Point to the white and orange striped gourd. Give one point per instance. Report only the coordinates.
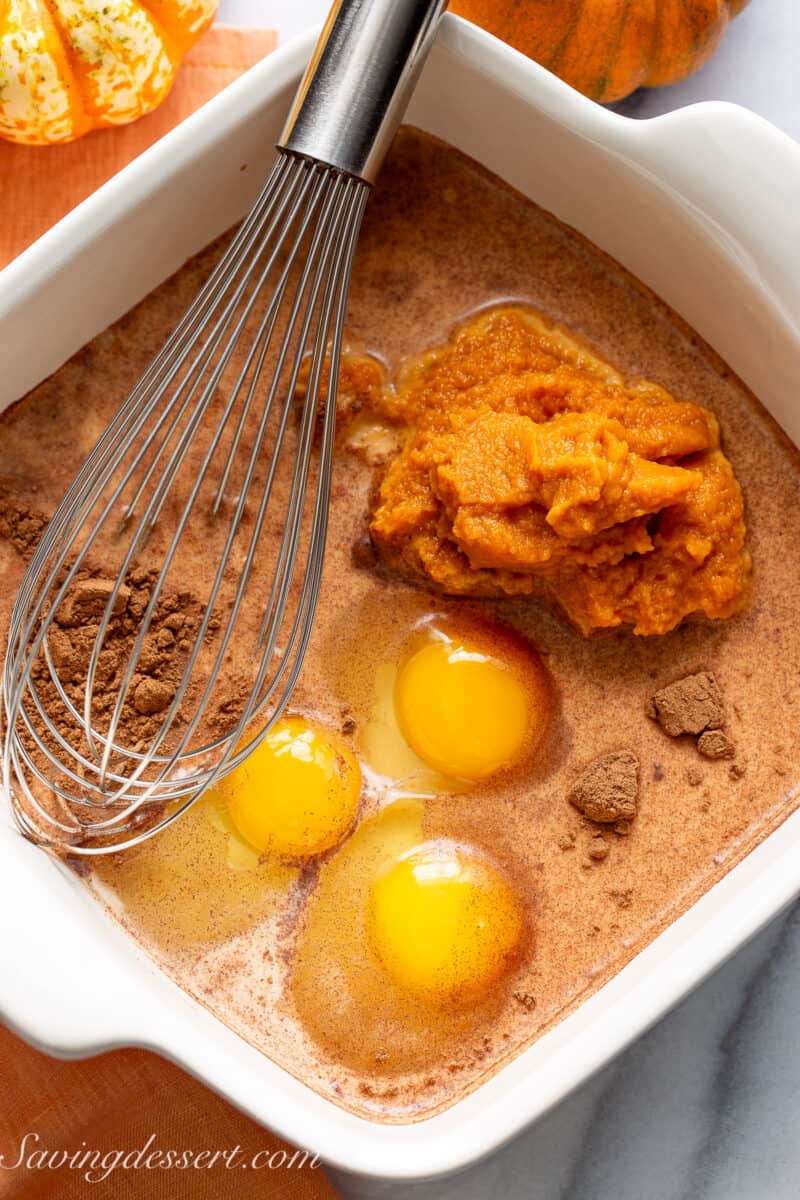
(68, 66)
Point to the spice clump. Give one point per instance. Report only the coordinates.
(714, 743)
(689, 705)
(694, 706)
(608, 789)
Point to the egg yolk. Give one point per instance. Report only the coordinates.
(464, 712)
(444, 922)
(297, 794)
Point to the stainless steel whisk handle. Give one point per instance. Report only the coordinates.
(359, 82)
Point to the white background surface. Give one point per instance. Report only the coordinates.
(758, 64)
(706, 1106)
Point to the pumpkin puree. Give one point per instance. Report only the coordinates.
(529, 466)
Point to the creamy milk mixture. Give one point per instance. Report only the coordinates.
(277, 951)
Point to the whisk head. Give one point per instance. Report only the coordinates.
(170, 601)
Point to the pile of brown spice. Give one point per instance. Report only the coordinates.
(694, 705)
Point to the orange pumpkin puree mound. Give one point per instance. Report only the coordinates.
(530, 466)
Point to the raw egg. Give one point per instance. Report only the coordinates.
(298, 793)
(471, 704)
(444, 922)
(196, 884)
(405, 946)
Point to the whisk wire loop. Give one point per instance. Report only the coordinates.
(270, 314)
(115, 719)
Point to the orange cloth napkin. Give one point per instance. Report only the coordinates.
(116, 1102)
(39, 184)
(112, 1106)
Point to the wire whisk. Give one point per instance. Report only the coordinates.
(194, 533)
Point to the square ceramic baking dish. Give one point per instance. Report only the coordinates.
(704, 206)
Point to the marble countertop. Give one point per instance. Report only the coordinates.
(707, 1105)
(704, 1107)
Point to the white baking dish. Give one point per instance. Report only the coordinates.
(704, 206)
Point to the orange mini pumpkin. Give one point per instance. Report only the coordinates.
(608, 48)
(68, 66)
